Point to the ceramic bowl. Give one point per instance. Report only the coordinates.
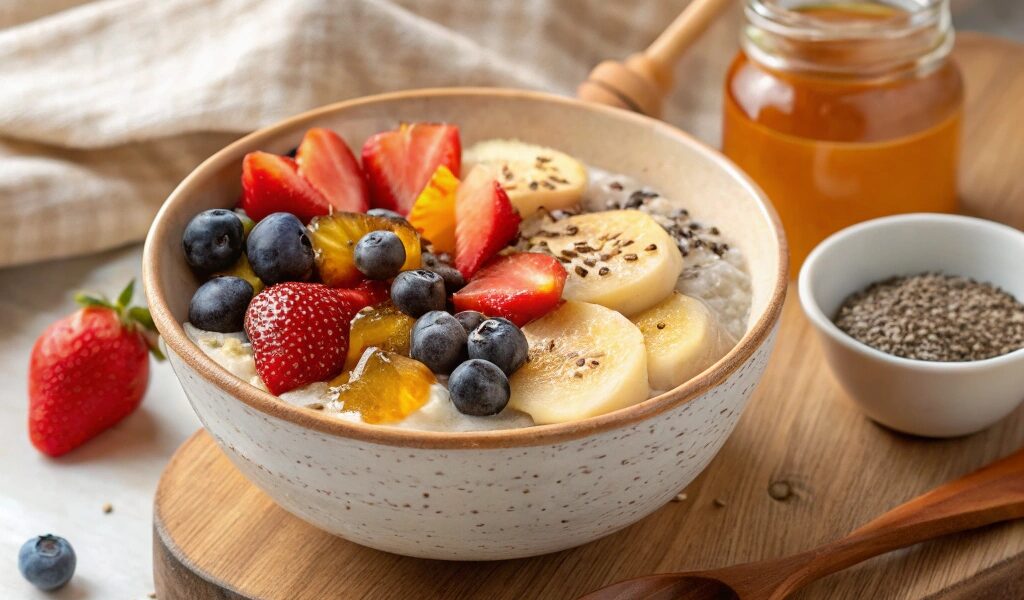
(925, 398)
(491, 495)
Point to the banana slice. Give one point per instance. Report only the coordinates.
(621, 259)
(585, 360)
(533, 176)
(683, 337)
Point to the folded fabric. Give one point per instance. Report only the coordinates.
(105, 106)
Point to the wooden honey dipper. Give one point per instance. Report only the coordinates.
(641, 82)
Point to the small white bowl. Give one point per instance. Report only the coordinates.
(934, 399)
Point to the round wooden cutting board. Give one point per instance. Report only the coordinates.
(803, 466)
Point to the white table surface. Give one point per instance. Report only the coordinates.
(65, 496)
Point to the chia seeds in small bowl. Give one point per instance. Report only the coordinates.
(921, 321)
(935, 317)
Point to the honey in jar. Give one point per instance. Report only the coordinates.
(845, 111)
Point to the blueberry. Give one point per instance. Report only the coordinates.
(47, 561)
(470, 319)
(500, 342)
(219, 304)
(387, 214)
(438, 341)
(478, 388)
(380, 255)
(418, 292)
(213, 240)
(453, 279)
(279, 249)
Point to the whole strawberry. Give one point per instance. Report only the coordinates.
(87, 372)
(299, 332)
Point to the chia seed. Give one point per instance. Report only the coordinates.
(686, 233)
(934, 317)
(635, 200)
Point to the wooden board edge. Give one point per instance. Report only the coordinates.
(176, 580)
(174, 575)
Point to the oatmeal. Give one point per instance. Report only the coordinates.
(713, 270)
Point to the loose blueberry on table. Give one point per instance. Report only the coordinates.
(47, 562)
(378, 275)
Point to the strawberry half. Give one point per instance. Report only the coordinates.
(326, 162)
(88, 371)
(399, 164)
(485, 221)
(520, 287)
(271, 183)
(299, 333)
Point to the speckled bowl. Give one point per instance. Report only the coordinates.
(490, 495)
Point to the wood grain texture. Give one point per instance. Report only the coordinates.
(992, 494)
(216, 536)
(991, 185)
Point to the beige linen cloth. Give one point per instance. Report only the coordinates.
(106, 105)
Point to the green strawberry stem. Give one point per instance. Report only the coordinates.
(135, 318)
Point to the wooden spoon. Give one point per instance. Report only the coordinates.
(641, 82)
(992, 494)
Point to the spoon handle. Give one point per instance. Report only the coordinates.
(989, 495)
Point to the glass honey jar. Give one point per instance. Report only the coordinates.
(845, 111)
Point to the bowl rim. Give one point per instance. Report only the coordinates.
(810, 270)
(177, 341)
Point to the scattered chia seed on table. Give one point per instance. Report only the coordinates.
(934, 317)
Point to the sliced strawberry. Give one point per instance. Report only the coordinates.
(369, 292)
(520, 287)
(271, 183)
(399, 164)
(326, 162)
(299, 333)
(485, 221)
